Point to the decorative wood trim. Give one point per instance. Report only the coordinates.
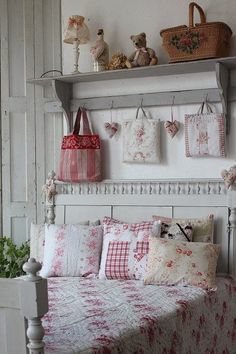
(142, 187)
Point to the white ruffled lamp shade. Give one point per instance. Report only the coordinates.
(76, 33)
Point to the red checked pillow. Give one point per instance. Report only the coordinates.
(125, 249)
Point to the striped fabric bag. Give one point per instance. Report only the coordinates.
(80, 154)
(204, 133)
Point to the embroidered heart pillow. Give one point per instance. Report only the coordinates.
(111, 128)
(171, 127)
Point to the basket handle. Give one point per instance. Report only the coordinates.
(191, 13)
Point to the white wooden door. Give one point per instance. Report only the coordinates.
(18, 127)
(27, 50)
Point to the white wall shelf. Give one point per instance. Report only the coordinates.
(63, 87)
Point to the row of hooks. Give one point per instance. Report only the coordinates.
(83, 106)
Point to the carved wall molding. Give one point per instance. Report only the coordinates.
(145, 187)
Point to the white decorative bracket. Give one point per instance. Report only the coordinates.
(63, 92)
(34, 305)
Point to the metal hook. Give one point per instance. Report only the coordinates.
(173, 101)
(141, 102)
(84, 106)
(112, 105)
(206, 98)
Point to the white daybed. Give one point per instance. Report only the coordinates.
(140, 319)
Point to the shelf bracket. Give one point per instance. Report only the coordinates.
(222, 78)
(63, 92)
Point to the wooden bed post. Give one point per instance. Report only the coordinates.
(49, 189)
(34, 305)
(232, 229)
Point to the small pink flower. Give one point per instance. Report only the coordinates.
(140, 133)
(92, 245)
(91, 260)
(178, 250)
(189, 253)
(59, 251)
(203, 138)
(94, 233)
(169, 264)
(185, 41)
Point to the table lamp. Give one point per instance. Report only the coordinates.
(76, 33)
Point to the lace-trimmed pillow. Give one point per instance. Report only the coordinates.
(203, 228)
(173, 262)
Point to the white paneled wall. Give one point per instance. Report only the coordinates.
(120, 19)
(31, 45)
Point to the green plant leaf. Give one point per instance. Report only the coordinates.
(12, 257)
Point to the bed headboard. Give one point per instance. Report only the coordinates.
(138, 200)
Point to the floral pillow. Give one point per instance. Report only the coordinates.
(71, 250)
(137, 227)
(125, 249)
(173, 262)
(203, 228)
(37, 238)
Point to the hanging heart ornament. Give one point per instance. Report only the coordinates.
(171, 127)
(111, 128)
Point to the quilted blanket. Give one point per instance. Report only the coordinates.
(91, 316)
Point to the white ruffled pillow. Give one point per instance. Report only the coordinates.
(71, 250)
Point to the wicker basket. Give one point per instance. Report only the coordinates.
(198, 41)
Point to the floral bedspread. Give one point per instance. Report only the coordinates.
(92, 316)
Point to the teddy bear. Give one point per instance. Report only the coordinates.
(142, 56)
(229, 176)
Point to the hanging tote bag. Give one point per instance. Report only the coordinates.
(80, 154)
(141, 139)
(204, 133)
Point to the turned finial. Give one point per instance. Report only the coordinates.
(51, 175)
(49, 188)
(31, 268)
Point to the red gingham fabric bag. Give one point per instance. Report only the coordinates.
(80, 154)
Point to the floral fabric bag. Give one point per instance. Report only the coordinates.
(204, 133)
(141, 139)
